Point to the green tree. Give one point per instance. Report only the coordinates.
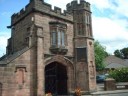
(122, 53)
(100, 55)
(117, 53)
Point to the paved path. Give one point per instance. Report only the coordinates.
(122, 94)
(101, 92)
(111, 93)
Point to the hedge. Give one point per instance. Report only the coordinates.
(120, 75)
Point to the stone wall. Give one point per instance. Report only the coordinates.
(19, 34)
(43, 21)
(17, 76)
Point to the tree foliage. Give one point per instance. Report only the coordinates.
(120, 75)
(117, 53)
(122, 53)
(100, 55)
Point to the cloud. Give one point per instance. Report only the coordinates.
(111, 46)
(3, 42)
(122, 8)
(6, 14)
(111, 29)
(100, 4)
(107, 29)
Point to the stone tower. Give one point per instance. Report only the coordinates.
(83, 45)
(49, 51)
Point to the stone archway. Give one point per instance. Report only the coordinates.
(66, 68)
(56, 78)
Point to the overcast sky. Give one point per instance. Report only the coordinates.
(109, 19)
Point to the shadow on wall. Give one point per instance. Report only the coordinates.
(0, 89)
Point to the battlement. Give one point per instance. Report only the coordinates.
(75, 5)
(23, 12)
(42, 7)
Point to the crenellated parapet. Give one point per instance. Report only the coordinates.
(75, 5)
(42, 7)
(16, 17)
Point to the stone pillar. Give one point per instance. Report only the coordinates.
(40, 63)
(109, 84)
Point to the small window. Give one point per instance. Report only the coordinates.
(63, 38)
(54, 38)
(27, 40)
(59, 38)
(87, 19)
(80, 28)
(28, 31)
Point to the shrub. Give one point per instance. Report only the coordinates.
(120, 75)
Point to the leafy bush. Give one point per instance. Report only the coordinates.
(120, 75)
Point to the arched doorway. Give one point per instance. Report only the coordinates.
(56, 78)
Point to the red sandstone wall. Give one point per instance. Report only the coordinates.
(43, 21)
(16, 76)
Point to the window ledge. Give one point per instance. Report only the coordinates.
(59, 50)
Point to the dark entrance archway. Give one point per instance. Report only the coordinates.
(56, 78)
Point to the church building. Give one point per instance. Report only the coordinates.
(49, 51)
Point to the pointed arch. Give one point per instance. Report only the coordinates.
(60, 59)
(69, 69)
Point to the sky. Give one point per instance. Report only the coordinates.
(109, 21)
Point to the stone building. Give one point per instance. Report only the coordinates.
(49, 51)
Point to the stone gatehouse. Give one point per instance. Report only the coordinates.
(49, 51)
